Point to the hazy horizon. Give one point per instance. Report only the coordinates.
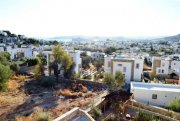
(124, 18)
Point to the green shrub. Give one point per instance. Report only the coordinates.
(42, 116)
(23, 59)
(142, 116)
(112, 118)
(32, 62)
(5, 74)
(96, 112)
(14, 67)
(175, 105)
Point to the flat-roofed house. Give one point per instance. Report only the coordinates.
(17, 53)
(155, 93)
(131, 67)
(166, 65)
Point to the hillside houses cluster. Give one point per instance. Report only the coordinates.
(163, 57)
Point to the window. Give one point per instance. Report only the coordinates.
(159, 70)
(137, 66)
(124, 69)
(119, 64)
(162, 70)
(169, 67)
(154, 96)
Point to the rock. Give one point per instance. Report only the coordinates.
(88, 94)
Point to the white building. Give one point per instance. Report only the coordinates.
(166, 65)
(97, 55)
(77, 60)
(131, 67)
(17, 53)
(1, 48)
(155, 93)
(74, 55)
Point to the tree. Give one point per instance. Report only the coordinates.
(109, 79)
(119, 77)
(86, 60)
(114, 82)
(98, 64)
(5, 74)
(62, 57)
(39, 68)
(109, 50)
(4, 58)
(6, 55)
(68, 73)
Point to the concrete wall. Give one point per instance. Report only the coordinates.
(73, 115)
(138, 71)
(175, 66)
(163, 97)
(107, 64)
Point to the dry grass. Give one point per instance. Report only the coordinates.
(15, 82)
(172, 81)
(67, 93)
(84, 102)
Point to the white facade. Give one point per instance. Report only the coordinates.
(131, 68)
(23, 52)
(77, 60)
(175, 67)
(107, 63)
(1, 49)
(155, 94)
(165, 66)
(97, 55)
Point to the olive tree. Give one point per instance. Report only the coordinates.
(63, 58)
(114, 82)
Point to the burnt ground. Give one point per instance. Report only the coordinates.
(25, 95)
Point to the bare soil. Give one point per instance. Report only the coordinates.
(24, 95)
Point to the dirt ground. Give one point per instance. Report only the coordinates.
(24, 95)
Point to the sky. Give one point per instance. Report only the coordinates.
(51, 18)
